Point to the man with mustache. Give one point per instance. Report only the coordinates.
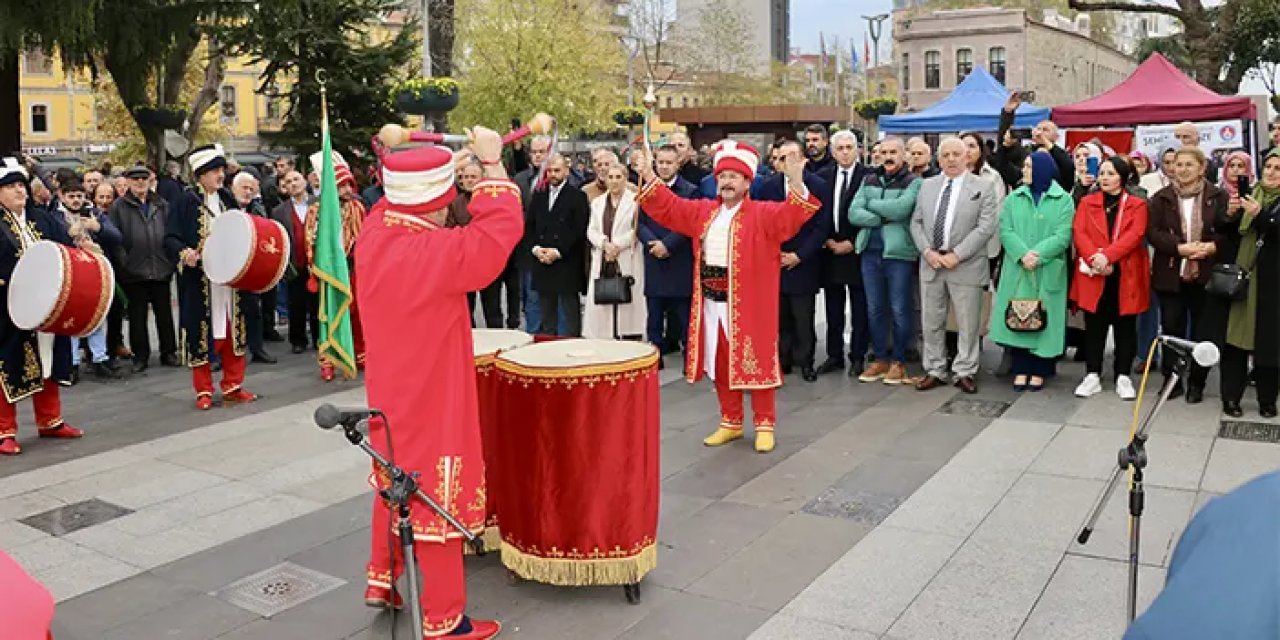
(883, 208)
(733, 337)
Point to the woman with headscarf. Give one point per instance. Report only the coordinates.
(1181, 231)
(1142, 165)
(1251, 239)
(1238, 165)
(1111, 279)
(1035, 231)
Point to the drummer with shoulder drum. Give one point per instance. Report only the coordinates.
(32, 364)
(207, 311)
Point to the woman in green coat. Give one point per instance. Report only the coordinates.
(1035, 230)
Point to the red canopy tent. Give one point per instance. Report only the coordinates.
(1156, 93)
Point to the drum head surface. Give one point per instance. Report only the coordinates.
(35, 285)
(228, 247)
(577, 352)
(490, 341)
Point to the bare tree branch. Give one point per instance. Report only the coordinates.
(214, 72)
(1078, 5)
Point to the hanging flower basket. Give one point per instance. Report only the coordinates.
(628, 116)
(160, 117)
(873, 107)
(425, 96)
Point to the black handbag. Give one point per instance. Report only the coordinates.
(1231, 281)
(612, 287)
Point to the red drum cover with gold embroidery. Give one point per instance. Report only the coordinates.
(61, 290)
(577, 466)
(245, 252)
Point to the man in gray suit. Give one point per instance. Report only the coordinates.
(954, 218)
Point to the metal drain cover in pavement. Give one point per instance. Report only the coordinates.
(74, 517)
(859, 506)
(1250, 431)
(980, 408)
(278, 589)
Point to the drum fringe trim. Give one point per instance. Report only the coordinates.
(569, 572)
(492, 539)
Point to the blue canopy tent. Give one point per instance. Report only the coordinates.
(974, 105)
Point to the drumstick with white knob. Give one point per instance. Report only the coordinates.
(394, 135)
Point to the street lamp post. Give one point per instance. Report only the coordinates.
(874, 26)
(426, 38)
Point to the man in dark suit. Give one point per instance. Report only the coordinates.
(817, 148)
(668, 258)
(801, 268)
(556, 232)
(304, 306)
(841, 269)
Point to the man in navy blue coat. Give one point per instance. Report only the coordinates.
(801, 270)
(668, 258)
(841, 268)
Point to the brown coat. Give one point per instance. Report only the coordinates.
(1164, 232)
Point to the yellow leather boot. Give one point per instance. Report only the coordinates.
(764, 441)
(722, 435)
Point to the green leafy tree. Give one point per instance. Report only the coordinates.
(341, 40)
(29, 24)
(1224, 42)
(525, 56)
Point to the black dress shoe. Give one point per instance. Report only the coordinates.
(103, 371)
(1195, 395)
(170, 360)
(786, 369)
(299, 348)
(830, 366)
(140, 365)
(808, 374)
(273, 336)
(263, 357)
(1267, 410)
(1232, 408)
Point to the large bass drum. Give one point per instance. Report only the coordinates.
(60, 289)
(246, 252)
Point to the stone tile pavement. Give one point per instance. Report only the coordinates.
(884, 512)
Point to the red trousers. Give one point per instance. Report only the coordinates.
(732, 410)
(232, 370)
(444, 587)
(48, 407)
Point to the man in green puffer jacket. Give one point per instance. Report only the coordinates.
(882, 208)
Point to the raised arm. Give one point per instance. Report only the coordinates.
(481, 248)
(686, 217)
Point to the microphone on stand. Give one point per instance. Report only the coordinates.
(1205, 354)
(328, 416)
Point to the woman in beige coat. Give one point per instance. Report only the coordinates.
(614, 243)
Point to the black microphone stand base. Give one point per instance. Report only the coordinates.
(1133, 457)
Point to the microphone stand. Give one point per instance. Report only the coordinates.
(404, 486)
(1133, 457)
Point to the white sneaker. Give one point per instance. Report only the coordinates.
(1091, 385)
(1124, 388)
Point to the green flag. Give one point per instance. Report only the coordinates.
(330, 267)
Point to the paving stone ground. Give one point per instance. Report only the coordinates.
(883, 513)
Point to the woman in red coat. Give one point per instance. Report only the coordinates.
(1111, 280)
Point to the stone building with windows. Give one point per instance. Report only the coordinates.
(935, 50)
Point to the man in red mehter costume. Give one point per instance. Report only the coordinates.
(733, 321)
(420, 369)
